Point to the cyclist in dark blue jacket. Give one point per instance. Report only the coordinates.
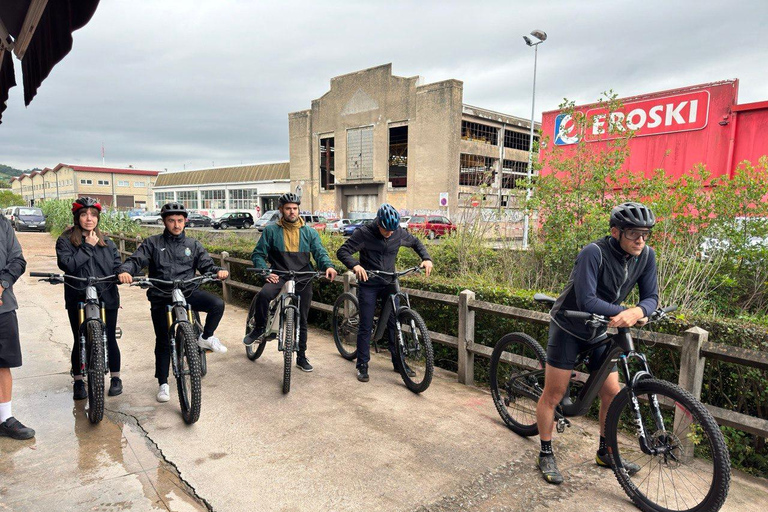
(378, 244)
(605, 273)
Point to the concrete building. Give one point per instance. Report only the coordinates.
(250, 188)
(375, 137)
(121, 188)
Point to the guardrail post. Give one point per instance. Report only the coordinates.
(122, 248)
(226, 289)
(466, 338)
(348, 278)
(690, 379)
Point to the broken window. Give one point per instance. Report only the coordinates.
(518, 140)
(327, 163)
(398, 156)
(479, 132)
(476, 170)
(360, 153)
(515, 174)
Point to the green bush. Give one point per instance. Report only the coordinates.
(59, 219)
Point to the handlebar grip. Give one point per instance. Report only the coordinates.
(579, 315)
(41, 274)
(254, 269)
(669, 309)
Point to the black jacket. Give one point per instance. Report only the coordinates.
(88, 260)
(377, 252)
(169, 258)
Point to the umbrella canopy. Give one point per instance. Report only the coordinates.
(39, 32)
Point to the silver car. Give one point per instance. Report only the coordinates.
(148, 218)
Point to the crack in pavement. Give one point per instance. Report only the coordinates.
(134, 422)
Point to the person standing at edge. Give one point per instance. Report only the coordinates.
(12, 266)
(83, 251)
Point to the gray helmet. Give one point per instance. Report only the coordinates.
(632, 215)
(288, 198)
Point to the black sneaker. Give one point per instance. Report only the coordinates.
(408, 370)
(15, 430)
(79, 391)
(603, 460)
(549, 471)
(115, 386)
(252, 336)
(303, 364)
(362, 373)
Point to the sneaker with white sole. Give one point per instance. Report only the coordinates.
(211, 343)
(164, 394)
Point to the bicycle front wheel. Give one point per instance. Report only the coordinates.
(188, 378)
(95, 351)
(288, 342)
(203, 357)
(517, 380)
(692, 469)
(346, 319)
(416, 353)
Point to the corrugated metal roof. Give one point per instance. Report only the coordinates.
(234, 174)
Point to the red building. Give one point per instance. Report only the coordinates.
(674, 130)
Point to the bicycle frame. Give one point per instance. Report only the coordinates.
(278, 307)
(391, 307)
(89, 311)
(178, 312)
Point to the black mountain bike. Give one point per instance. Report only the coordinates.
(183, 325)
(283, 321)
(682, 454)
(94, 363)
(414, 345)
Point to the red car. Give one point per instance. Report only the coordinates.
(431, 225)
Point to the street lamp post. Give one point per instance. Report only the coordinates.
(541, 36)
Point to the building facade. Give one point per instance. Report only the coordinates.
(375, 137)
(119, 188)
(252, 188)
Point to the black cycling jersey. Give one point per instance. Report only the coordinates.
(377, 252)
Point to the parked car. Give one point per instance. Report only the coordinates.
(335, 226)
(350, 228)
(27, 218)
(132, 214)
(8, 212)
(404, 222)
(239, 220)
(148, 218)
(196, 220)
(432, 226)
(269, 217)
(314, 221)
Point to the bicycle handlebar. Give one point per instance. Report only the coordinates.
(396, 273)
(268, 271)
(591, 318)
(147, 282)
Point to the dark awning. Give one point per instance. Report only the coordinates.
(40, 35)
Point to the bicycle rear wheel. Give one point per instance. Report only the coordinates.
(416, 351)
(692, 470)
(188, 379)
(346, 319)
(517, 380)
(95, 351)
(288, 342)
(254, 350)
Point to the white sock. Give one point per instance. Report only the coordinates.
(5, 411)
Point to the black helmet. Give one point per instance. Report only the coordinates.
(84, 202)
(288, 198)
(389, 218)
(173, 209)
(633, 215)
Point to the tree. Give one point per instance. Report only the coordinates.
(8, 198)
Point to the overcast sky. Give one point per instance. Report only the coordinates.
(175, 84)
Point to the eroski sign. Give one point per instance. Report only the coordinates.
(655, 116)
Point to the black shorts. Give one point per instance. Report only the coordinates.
(10, 347)
(563, 349)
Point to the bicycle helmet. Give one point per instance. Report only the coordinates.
(389, 218)
(173, 209)
(288, 198)
(84, 202)
(633, 215)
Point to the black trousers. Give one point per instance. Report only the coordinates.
(367, 296)
(113, 351)
(202, 302)
(268, 292)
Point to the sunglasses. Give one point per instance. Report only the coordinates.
(634, 234)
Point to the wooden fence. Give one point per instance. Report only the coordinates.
(694, 345)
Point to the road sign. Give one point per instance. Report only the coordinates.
(443, 198)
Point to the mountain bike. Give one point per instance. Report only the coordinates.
(283, 321)
(683, 459)
(94, 360)
(414, 345)
(186, 359)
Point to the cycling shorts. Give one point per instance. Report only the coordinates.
(563, 349)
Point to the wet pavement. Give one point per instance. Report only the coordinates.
(331, 444)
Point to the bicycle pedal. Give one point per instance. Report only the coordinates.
(561, 424)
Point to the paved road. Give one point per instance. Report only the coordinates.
(331, 444)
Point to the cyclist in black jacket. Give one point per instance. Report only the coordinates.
(605, 272)
(83, 251)
(171, 256)
(378, 243)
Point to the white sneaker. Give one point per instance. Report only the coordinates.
(213, 343)
(164, 394)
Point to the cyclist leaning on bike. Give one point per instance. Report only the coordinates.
(172, 256)
(288, 245)
(83, 251)
(378, 243)
(605, 273)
